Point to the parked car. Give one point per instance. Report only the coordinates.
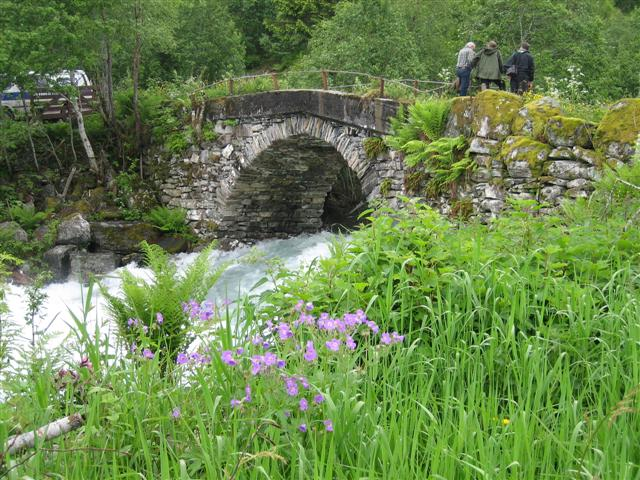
(47, 103)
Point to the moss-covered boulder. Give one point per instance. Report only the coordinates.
(569, 132)
(493, 113)
(460, 117)
(532, 118)
(618, 131)
(13, 231)
(524, 157)
(122, 237)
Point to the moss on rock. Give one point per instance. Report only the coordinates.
(525, 149)
(618, 131)
(569, 132)
(533, 117)
(460, 117)
(494, 112)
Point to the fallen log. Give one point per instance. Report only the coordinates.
(18, 443)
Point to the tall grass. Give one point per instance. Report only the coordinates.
(521, 360)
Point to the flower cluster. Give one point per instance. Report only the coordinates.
(282, 362)
(204, 311)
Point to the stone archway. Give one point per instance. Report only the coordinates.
(284, 189)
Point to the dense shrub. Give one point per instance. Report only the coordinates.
(149, 314)
(170, 220)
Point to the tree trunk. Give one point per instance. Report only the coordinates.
(28, 116)
(135, 73)
(18, 443)
(93, 165)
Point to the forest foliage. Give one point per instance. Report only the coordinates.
(394, 38)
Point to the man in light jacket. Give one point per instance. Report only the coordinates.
(464, 67)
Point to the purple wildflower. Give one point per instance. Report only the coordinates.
(372, 326)
(235, 403)
(304, 405)
(270, 359)
(303, 427)
(291, 386)
(396, 337)
(328, 425)
(333, 344)
(159, 318)
(175, 413)
(281, 363)
(247, 393)
(309, 306)
(145, 329)
(299, 305)
(256, 364)
(240, 351)
(310, 354)
(351, 345)
(284, 331)
(86, 363)
(148, 354)
(385, 338)
(182, 358)
(227, 357)
(304, 382)
(132, 322)
(318, 399)
(134, 347)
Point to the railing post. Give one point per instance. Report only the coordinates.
(415, 87)
(325, 80)
(231, 86)
(276, 84)
(381, 87)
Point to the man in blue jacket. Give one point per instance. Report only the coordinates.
(520, 68)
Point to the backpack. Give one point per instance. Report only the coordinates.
(512, 69)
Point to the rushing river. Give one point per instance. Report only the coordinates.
(237, 280)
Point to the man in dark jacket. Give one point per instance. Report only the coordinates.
(520, 68)
(488, 63)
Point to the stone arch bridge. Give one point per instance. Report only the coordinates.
(284, 163)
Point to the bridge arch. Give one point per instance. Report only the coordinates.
(284, 163)
(295, 175)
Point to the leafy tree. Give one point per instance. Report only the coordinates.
(291, 26)
(250, 17)
(208, 41)
(365, 35)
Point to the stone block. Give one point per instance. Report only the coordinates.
(617, 134)
(75, 230)
(569, 132)
(58, 259)
(84, 264)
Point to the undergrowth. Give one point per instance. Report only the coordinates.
(500, 350)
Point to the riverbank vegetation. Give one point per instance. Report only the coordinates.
(421, 348)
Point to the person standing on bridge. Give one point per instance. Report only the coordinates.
(520, 69)
(464, 67)
(489, 66)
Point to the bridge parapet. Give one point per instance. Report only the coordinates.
(370, 114)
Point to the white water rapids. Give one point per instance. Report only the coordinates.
(236, 281)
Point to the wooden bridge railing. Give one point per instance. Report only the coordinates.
(336, 80)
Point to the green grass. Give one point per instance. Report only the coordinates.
(521, 361)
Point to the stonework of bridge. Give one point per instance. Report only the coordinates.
(284, 163)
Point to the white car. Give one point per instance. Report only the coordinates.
(49, 104)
